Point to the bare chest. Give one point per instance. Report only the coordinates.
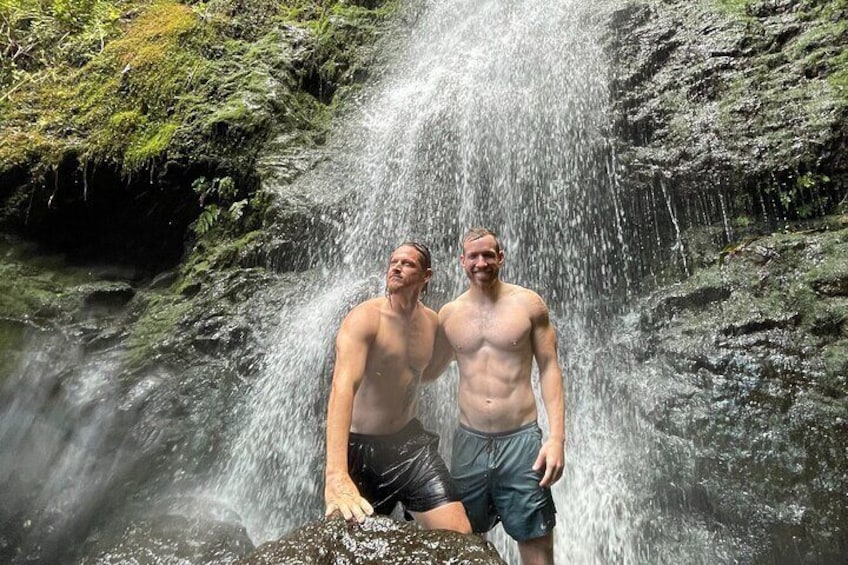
(504, 328)
(401, 348)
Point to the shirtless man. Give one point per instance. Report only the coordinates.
(502, 469)
(377, 452)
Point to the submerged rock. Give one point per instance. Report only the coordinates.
(378, 540)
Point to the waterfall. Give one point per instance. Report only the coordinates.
(495, 114)
(61, 445)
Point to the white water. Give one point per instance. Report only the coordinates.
(496, 115)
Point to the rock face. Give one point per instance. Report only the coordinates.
(378, 540)
(730, 113)
(743, 371)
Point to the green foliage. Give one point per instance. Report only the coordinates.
(236, 210)
(221, 191)
(37, 35)
(207, 219)
(742, 221)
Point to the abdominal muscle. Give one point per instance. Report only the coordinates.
(384, 404)
(495, 394)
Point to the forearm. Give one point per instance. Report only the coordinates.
(436, 368)
(339, 414)
(553, 398)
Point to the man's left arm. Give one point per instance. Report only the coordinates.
(551, 457)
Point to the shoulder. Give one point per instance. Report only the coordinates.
(530, 300)
(452, 307)
(429, 313)
(363, 319)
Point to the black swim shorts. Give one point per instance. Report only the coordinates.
(402, 467)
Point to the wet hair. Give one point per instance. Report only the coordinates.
(426, 258)
(474, 234)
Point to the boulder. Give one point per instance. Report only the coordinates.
(378, 540)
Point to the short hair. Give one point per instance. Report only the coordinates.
(474, 234)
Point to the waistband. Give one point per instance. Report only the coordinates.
(412, 427)
(499, 435)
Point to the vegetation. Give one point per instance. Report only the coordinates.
(796, 85)
(137, 86)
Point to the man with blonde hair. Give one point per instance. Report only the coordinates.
(377, 452)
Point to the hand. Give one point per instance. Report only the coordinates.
(341, 495)
(552, 459)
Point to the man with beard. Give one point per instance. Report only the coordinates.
(503, 470)
(378, 454)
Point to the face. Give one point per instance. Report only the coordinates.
(480, 260)
(405, 270)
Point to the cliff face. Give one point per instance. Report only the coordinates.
(741, 370)
(732, 137)
(131, 126)
(730, 114)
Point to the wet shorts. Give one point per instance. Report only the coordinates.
(402, 467)
(495, 478)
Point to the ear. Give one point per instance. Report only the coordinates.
(501, 257)
(428, 274)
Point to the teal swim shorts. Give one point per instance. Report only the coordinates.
(495, 479)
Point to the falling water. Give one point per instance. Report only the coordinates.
(497, 115)
(60, 453)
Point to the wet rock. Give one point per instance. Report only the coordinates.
(754, 385)
(379, 540)
(107, 297)
(727, 114)
(672, 304)
(168, 539)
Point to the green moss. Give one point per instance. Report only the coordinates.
(201, 86)
(835, 358)
(737, 8)
(123, 104)
(839, 81)
(156, 327)
(36, 288)
(152, 143)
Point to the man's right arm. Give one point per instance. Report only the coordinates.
(352, 343)
(443, 352)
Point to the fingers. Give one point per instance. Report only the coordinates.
(358, 513)
(547, 478)
(552, 462)
(540, 461)
(353, 510)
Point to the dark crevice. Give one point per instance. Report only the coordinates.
(97, 215)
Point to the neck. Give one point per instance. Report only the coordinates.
(403, 303)
(488, 291)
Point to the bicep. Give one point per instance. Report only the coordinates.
(544, 335)
(352, 344)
